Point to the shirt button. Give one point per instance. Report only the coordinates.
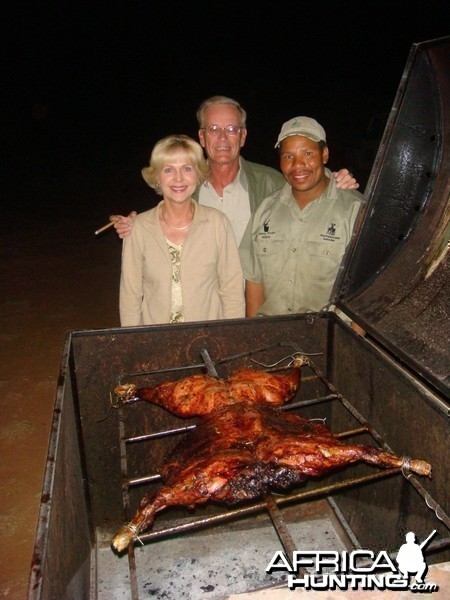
(294, 249)
(289, 309)
(264, 249)
(327, 252)
(291, 281)
(300, 219)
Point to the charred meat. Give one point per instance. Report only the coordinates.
(243, 446)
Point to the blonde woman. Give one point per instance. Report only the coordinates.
(181, 261)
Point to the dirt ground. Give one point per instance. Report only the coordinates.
(56, 277)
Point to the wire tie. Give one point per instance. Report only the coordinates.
(135, 531)
(406, 466)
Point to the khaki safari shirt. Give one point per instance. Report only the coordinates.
(210, 271)
(296, 253)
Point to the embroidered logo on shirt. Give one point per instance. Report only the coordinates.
(266, 232)
(330, 234)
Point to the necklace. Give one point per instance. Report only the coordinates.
(173, 226)
(178, 228)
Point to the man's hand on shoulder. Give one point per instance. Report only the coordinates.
(345, 180)
(123, 225)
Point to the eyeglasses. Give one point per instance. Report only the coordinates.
(216, 130)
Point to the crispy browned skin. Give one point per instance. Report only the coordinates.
(245, 447)
(199, 395)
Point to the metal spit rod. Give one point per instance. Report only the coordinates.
(270, 503)
(272, 508)
(412, 479)
(255, 507)
(334, 395)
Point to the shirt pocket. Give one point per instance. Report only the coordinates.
(271, 256)
(322, 260)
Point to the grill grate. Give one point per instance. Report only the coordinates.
(270, 504)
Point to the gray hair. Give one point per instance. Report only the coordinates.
(212, 101)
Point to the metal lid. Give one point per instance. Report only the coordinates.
(396, 277)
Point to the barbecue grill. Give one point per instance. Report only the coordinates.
(388, 388)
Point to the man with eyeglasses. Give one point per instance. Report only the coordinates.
(235, 185)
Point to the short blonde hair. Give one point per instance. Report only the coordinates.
(166, 148)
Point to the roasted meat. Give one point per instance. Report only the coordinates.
(200, 395)
(243, 446)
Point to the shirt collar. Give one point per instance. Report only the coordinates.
(241, 177)
(330, 192)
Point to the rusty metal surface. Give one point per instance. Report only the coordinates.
(61, 559)
(103, 358)
(83, 437)
(397, 282)
(415, 424)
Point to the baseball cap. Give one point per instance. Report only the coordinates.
(305, 126)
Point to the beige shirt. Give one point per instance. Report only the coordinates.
(234, 203)
(296, 253)
(210, 271)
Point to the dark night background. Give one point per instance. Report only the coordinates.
(91, 86)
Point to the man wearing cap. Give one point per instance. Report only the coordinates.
(297, 237)
(234, 185)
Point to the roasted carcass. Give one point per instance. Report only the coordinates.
(242, 446)
(200, 395)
